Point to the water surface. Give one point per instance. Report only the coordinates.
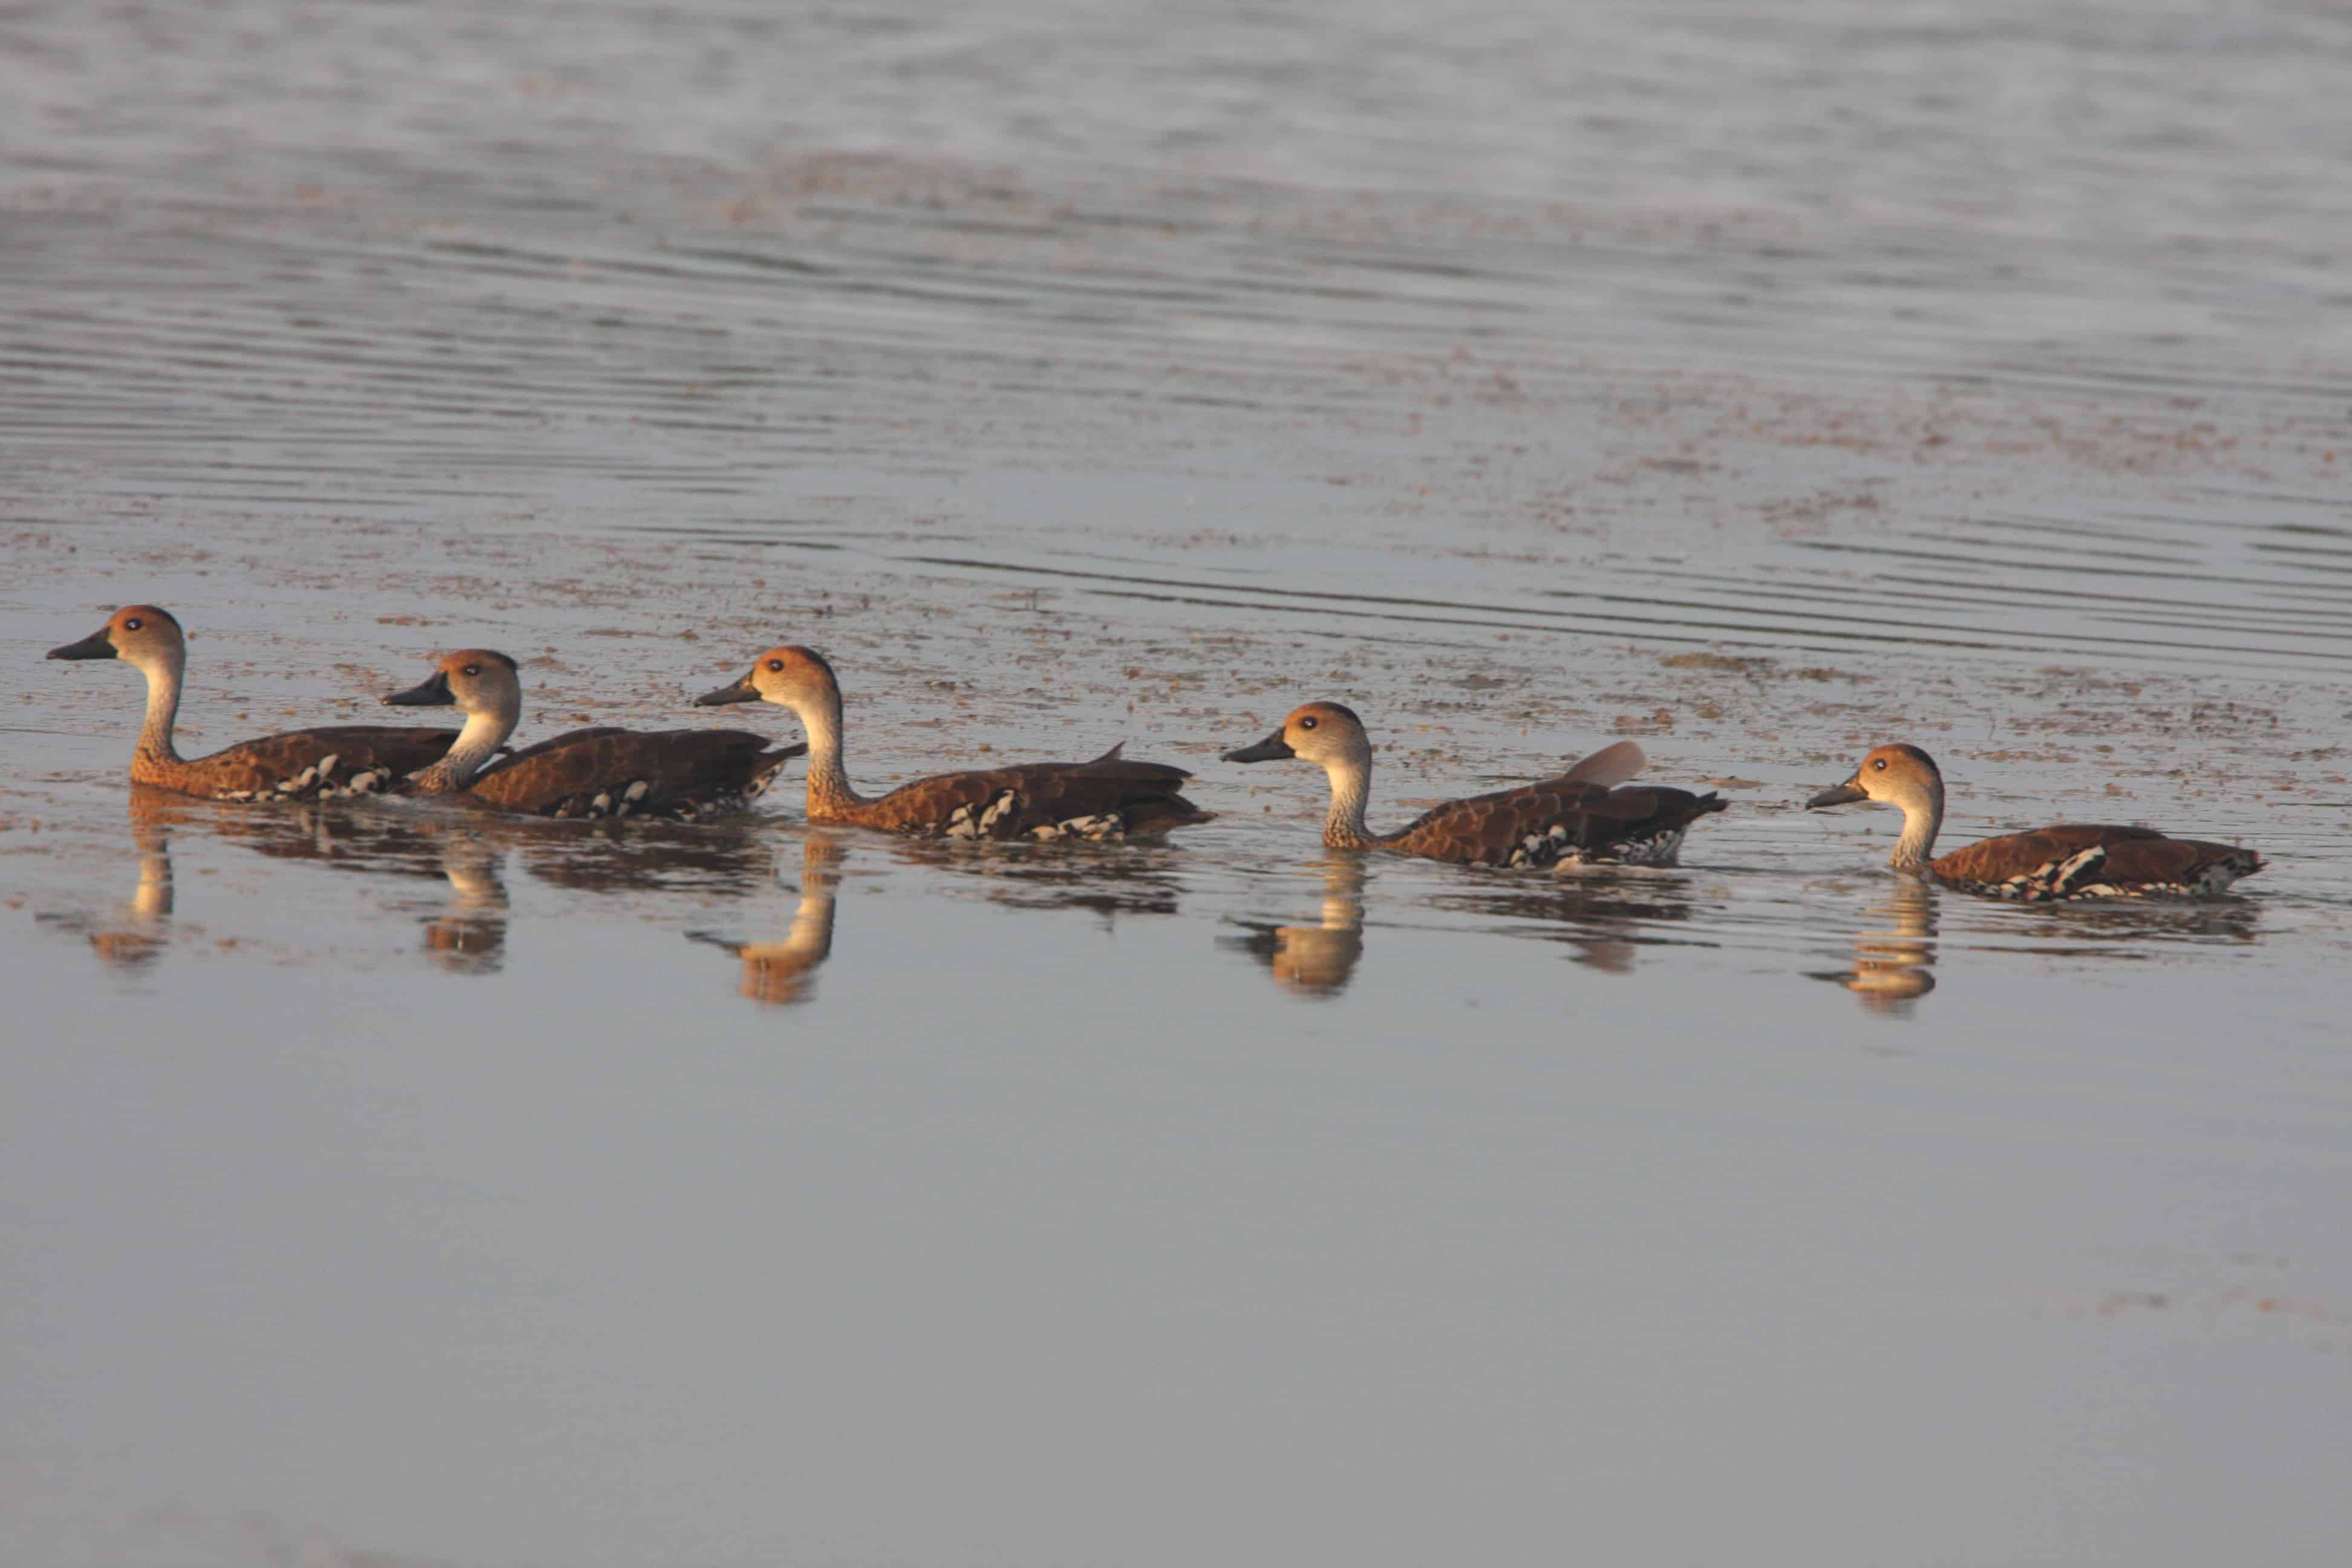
(392, 1185)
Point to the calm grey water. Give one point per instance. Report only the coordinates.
(395, 1187)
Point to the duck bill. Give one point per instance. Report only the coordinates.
(741, 691)
(98, 644)
(1273, 748)
(431, 693)
(1845, 793)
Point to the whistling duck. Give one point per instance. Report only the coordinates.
(599, 772)
(1107, 799)
(1577, 818)
(2049, 864)
(300, 764)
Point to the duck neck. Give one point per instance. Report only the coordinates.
(477, 743)
(162, 708)
(1923, 816)
(1351, 790)
(828, 783)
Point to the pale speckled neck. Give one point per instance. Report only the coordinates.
(477, 743)
(829, 789)
(1351, 791)
(163, 710)
(1922, 817)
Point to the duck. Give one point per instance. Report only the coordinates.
(1106, 800)
(2047, 864)
(331, 761)
(1579, 818)
(602, 770)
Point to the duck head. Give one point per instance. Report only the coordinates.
(144, 636)
(791, 677)
(476, 680)
(1899, 774)
(1323, 732)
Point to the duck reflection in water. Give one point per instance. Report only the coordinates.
(132, 935)
(466, 936)
(731, 858)
(1607, 918)
(601, 856)
(1139, 878)
(1893, 967)
(469, 936)
(2132, 930)
(1318, 960)
(784, 972)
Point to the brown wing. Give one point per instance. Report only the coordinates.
(1654, 809)
(2012, 855)
(617, 773)
(275, 765)
(1108, 797)
(2184, 863)
(1491, 829)
(553, 744)
(1535, 823)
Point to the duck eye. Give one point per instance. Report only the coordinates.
(473, 670)
(777, 665)
(1307, 723)
(1879, 763)
(132, 625)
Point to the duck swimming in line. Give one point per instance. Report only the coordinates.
(300, 764)
(2046, 865)
(1577, 818)
(1107, 799)
(684, 775)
